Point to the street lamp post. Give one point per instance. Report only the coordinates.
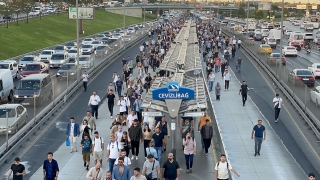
(7, 133)
(77, 32)
(247, 19)
(281, 26)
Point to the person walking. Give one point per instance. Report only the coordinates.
(97, 147)
(135, 137)
(95, 173)
(85, 78)
(259, 134)
(86, 145)
(147, 136)
(108, 175)
(126, 160)
(202, 122)
(72, 132)
(244, 90)
(158, 138)
(211, 79)
(218, 91)
(147, 83)
(171, 169)
(137, 175)
(207, 133)
(152, 150)
(277, 103)
(85, 128)
(113, 152)
(111, 100)
(121, 172)
(17, 170)
(222, 169)
(312, 176)
(123, 105)
(239, 63)
(189, 151)
(91, 121)
(151, 168)
(115, 77)
(227, 79)
(50, 168)
(94, 103)
(165, 130)
(119, 86)
(137, 104)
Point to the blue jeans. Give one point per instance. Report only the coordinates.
(210, 85)
(257, 144)
(119, 89)
(189, 161)
(239, 67)
(159, 152)
(216, 68)
(111, 163)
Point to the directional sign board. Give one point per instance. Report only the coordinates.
(193, 114)
(152, 114)
(173, 91)
(83, 13)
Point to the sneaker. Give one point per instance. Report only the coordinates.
(258, 153)
(276, 121)
(137, 158)
(71, 151)
(132, 158)
(206, 154)
(111, 117)
(190, 170)
(76, 150)
(255, 154)
(87, 168)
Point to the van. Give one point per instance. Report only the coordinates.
(58, 59)
(308, 36)
(296, 38)
(271, 41)
(12, 66)
(265, 32)
(6, 85)
(36, 88)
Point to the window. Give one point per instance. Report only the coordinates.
(1, 85)
(44, 82)
(11, 67)
(20, 110)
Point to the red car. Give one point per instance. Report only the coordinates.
(34, 68)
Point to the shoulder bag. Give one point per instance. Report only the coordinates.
(149, 176)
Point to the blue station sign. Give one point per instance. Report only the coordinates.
(173, 91)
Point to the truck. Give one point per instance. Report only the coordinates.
(275, 33)
(238, 29)
(251, 26)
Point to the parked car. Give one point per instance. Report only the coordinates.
(12, 118)
(34, 68)
(12, 66)
(45, 55)
(68, 71)
(315, 69)
(60, 48)
(6, 85)
(315, 95)
(275, 59)
(26, 60)
(290, 51)
(301, 76)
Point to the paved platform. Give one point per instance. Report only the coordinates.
(235, 123)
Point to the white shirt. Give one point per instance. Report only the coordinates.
(227, 76)
(114, 148)
(126, 162)
(278, 100)
(115, 78)
(239, 41)
(94, 100)
(119, 135)
(211, 77)
(130, 118)
(141, 48)
(223, 170)
(72, 129)
(123, 105)
(97, 142)
(85, 77)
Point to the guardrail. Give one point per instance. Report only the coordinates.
(14, 18)
(307, 115)
(33, 125)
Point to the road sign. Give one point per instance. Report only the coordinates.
(152, 114)
(173, 91)
(83, 13)
(193, 114)
(301, 6)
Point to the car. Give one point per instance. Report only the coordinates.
(122, 33)
(67, 71)
(265, 48)
(12, 66)
(87, 41)
(257, 36)
(136, 27)
(102, 49)
(26, 60)
(107, 34)
(275, 59)
(315, 69)
(116, 36)
(302, 25)
(127, 38)
(99, 37)
(105, 40)
(287, 32)
(45, 55)
(73, 53)
(60, 48)
(51, 10)
(131, 30)
(290, 50)
(85, 61)
(95, 44)
(58, 59)
(140, 25)
(12, 118)
(296, 23)
(34, 68)
(87, 49)
(301, 76)
(316, 40)
(71, 45)
(117, 30)
(6, 84)
(315, 95)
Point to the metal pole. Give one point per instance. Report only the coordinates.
(67, 81)
(305, 98)
(281, 26)
(173, 136)
(78, 44)
(218, 9)
(247, 19)
(34, 109)
(7, 134)
(144, 14)
(53, 99)
(124, 24)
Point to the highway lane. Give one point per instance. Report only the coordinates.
(262, 92)
(54, 136)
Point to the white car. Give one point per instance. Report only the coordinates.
(131, 30)
(87, 49)
(296, 23)
(100, 36)
(287, 32)
(51, 10)
(121, 33)
(315, 95)
(12, 65)
(60, 48)
(87, 41)
(26, 60)
(95, 44)
(315, 69)
(73, 53)
(303, 24)
(17, 118)
(290, 51)
(46, 54)
(85, 61)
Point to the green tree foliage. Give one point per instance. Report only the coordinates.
(241, 12)
(27, 6)
(259, 14)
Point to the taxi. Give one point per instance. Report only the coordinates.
(265, 48)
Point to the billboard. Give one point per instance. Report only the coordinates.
(264, 6)
(314, 6)
(301, 6)
(86, 13)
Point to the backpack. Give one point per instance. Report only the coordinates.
(227, 165)
(100, 140)
(117, 145)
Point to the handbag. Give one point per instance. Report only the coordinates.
(149, 176)
(67, 141)
(129, 145)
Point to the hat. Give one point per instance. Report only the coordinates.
(150, 156)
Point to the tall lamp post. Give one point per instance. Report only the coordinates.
(7, 132)
(248, 20)
(78, 44)
(281, 26)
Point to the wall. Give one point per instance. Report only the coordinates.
(135, 12)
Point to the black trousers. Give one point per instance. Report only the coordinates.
(139, 115)
(207, 143)
(145, 145)
(94, 110)
(244, 98)
(135, 148)
(110, 106)
(85, 83)
(276, 113)
(146, 69)
(226, 84)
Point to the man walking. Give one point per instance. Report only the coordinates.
(137, 103)
(85, 78)
(202, 122)
(147, 84)
(119, 86)
(50, 168)
(111, 100)
(121, 172)
(211, 79)
(207, 133)
(239, 63)
(244, 90)
(137, 175)
(73, 131)
(17, 170)
(94, 103)
(227, 79)
(277, 103)
(151, 168)
(95, 173)
(135, 136)
(165, 130)
(113, 152)
(222, 169)
(259, 133)
(157, 138)
(86, 145)
(97, 147)
(171, 169)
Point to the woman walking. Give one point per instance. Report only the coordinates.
(218, 89)
(85, 128)
(189, 151)
(147, 136)
(125, 142)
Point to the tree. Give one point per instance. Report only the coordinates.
(7, 11)
(241, 12)
(17, 6)
(259, 14)
(27, 6)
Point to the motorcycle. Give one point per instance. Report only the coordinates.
(308, 49)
